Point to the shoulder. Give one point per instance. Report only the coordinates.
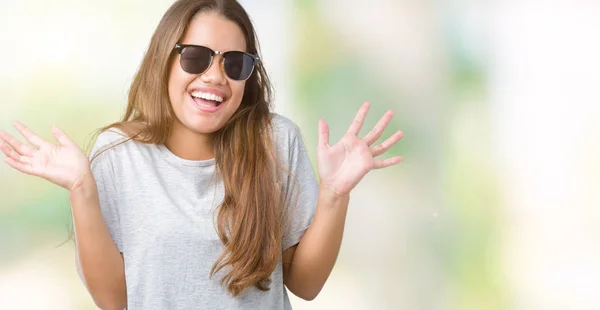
(288, 138)
(107, 139)
(109, 136)
(283, 127)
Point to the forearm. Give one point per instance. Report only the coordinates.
(99, 262)
(318, 249)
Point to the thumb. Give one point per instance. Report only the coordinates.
(323, 133)
(61, 137)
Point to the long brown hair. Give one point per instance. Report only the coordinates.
(250, 219)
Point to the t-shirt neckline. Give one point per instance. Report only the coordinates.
(169, 156)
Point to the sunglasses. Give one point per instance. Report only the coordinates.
(196, 59)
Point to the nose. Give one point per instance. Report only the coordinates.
(215, 75)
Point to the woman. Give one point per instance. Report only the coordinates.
(200, 197)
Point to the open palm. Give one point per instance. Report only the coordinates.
(343, 165)
(62, 164)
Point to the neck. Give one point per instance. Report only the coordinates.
(190, 145)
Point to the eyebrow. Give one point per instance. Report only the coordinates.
(217, 50)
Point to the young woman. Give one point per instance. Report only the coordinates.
(200, 197)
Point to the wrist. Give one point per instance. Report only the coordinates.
(333, 193)
(81, 183)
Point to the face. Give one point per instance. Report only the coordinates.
(187, 90)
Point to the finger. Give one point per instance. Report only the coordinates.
(385, 145)
(21, 148)
(29, 135)
(25, 168)
(323, 133)
(383, 163)
(374, 134)
(61, 137)
(359, 119)
(10, 152)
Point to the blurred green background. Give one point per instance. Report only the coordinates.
(494, 207)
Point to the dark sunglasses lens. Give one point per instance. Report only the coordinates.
(238, 65)
(195, 59)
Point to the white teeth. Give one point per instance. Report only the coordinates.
(207, 96)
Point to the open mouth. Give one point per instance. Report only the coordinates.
(203, 98)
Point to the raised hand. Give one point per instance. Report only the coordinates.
(343, 165)
(63, 164)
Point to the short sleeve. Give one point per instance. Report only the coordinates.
(301, 188)
(103, 171)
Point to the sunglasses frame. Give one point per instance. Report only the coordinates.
(179, 48)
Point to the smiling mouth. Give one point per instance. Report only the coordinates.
(207, 98)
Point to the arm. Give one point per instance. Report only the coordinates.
(307, 265)
(99, 262)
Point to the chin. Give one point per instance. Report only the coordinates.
(204, 126)
(203, 129)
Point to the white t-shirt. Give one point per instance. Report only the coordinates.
(159, 210)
